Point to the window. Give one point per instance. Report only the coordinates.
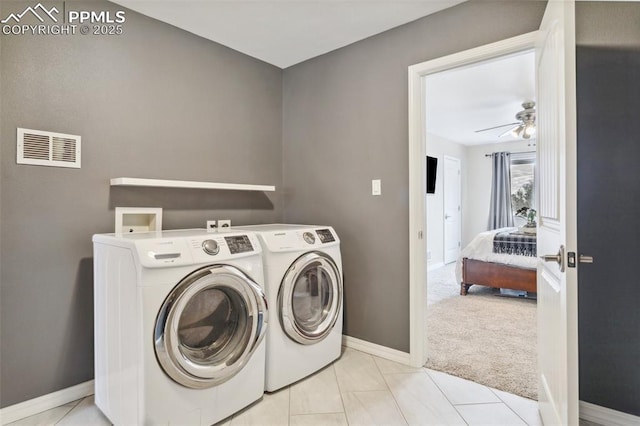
(522, 181)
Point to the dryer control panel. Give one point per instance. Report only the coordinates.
(294, 239)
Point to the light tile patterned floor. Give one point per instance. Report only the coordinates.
(358, 389)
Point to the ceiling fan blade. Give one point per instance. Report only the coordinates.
(511, 130)
(496, 127)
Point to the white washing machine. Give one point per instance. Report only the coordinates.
(180, 318)
(303, 284)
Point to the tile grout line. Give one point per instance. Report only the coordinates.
(460, 414)
(78, 402)
(289, 405)
(445, 395)
(344, 409)
(481, 403)
(317, 414)
(439, 388)
(383, 379)
(390, 391)
(509, 406)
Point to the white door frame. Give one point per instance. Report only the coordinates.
(417, 175)
(444, 205)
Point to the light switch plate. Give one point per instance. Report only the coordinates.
(376, 187)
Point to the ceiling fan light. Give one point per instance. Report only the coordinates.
(529, 130)
(517, 131)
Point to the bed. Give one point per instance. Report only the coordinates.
(502, 258)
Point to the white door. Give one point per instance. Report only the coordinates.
(452, 213)
(556, 141)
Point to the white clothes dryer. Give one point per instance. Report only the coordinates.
(179, 323)
(303, 284)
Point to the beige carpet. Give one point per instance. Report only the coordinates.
(490, 340)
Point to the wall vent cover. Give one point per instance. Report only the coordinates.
(42, 148)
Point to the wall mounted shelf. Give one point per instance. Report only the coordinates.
(161, 183)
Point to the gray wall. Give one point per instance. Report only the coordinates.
(156, 102)
(346, 120)
(608, 62)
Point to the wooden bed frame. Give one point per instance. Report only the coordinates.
(496, 275)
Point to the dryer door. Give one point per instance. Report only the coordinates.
(310, 298)
(209, 326)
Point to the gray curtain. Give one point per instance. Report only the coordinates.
(500, 213)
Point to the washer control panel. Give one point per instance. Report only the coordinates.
(184, 247)
(218, 247)
(238, 244)
(325, 235)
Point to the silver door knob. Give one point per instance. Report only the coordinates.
(558, 258)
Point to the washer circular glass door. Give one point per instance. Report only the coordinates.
(310, 298)
(209, 326)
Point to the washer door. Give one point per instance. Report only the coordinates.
(310, 298)
(209, 326)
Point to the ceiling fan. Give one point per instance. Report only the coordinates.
(525, 126)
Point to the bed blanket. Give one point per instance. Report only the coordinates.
(515, 243)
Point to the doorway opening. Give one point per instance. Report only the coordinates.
(481, 320)
(556, 148)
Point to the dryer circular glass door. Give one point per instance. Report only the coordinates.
(310, 298)
(209, 326)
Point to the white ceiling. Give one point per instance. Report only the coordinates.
(286, 32)
(484, 95)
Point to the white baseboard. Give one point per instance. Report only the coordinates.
(606, 416)
(377, 350)
(435, 266)
(45, 402)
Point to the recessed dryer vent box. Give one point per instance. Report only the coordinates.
(138, 219)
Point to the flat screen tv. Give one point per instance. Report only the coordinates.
(432, 168)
